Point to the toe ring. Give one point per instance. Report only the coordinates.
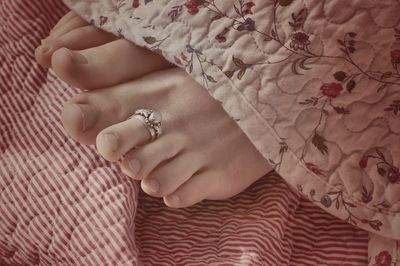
(152, 120)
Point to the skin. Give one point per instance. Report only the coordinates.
(188, 163)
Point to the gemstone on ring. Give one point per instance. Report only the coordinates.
(151, 120)
(155, 117)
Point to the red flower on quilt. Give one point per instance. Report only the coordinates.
(135, 4)
(384, 168)
(393, 175)
(395, 54)
(332, 90)
(300, 40)
(192, 6)
(383, 259)
(248, 6)
(314, 168)
(363, 162)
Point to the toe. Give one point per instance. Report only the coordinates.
(141, 161)
(85, 115)
(212, 184)
(70, 15)
(170, 176)
(77, 118)
(73, 23)
(76, 39)
(196, 189)
(116, 140)
(107, 65)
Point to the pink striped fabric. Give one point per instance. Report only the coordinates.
(61, 204)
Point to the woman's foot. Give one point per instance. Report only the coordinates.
(89, 58)
(202, 153)
(190, 161)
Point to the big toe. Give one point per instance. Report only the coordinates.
(85, 115)
(75, 34)
(77, 118)
(106, 65)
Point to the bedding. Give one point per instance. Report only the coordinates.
(316, 91)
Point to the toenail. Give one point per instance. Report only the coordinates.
(78, 58)
(151, 185)
(135, 167)
(88, 115)
(45, 48)
(111, 140)
(173, 201)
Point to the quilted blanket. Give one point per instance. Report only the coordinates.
(314, 85)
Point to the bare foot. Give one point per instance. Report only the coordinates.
(89, 58)
(202, 153)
